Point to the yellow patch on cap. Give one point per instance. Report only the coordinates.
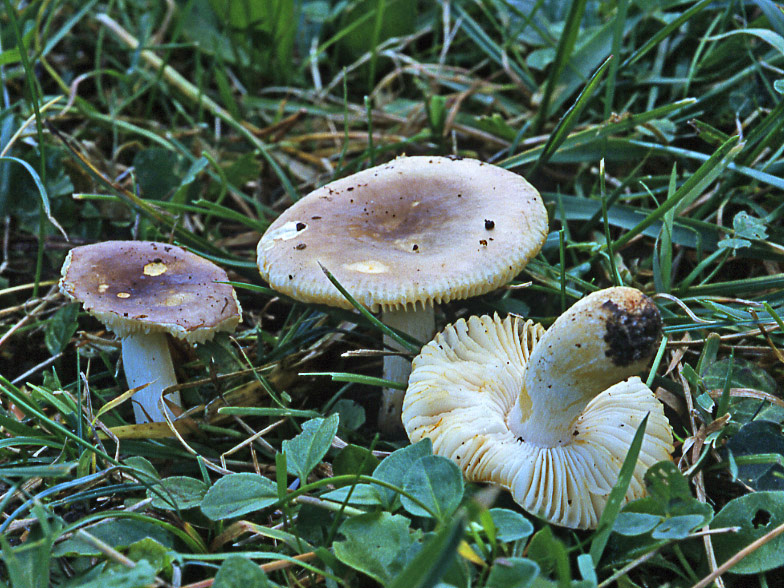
(371, 266)
(155, 268)
(178, 298)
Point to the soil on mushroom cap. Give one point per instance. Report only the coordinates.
(631, 333)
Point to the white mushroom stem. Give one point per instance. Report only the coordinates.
(147, 360)
(420, 324)
(601, 340)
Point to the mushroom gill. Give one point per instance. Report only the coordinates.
(549, 415)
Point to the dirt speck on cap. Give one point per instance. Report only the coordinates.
(632, 333)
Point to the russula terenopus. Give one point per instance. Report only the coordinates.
(547, 414)
(142, 290)
(403, 236)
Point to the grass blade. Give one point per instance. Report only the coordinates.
(664, 32)
(369, 315)
(569, 119)
(490, 47)
(563, 55)
(617, 494)
(45, 205)
(690, 189)
(609, 89)
(359, 379)
(430, 564)
(594, 134)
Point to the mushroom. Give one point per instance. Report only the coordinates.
(402, 237)
(549, 415)
(142, 290)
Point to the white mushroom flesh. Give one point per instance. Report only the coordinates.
(464, 392)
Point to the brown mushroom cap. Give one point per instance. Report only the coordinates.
(144, 287)
(415, 231)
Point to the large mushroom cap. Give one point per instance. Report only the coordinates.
(462, 389)
(417, 230)
(144, 287)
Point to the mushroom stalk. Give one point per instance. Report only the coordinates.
(147, 360)
(419, 323)
(603, 339)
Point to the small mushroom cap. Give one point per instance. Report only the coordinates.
(462, 388)
(415, 231)
(143, 287)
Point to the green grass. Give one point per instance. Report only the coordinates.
(655, 133)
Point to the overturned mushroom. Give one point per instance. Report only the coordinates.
(550, 414)
(402, 237)
(142, 290)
